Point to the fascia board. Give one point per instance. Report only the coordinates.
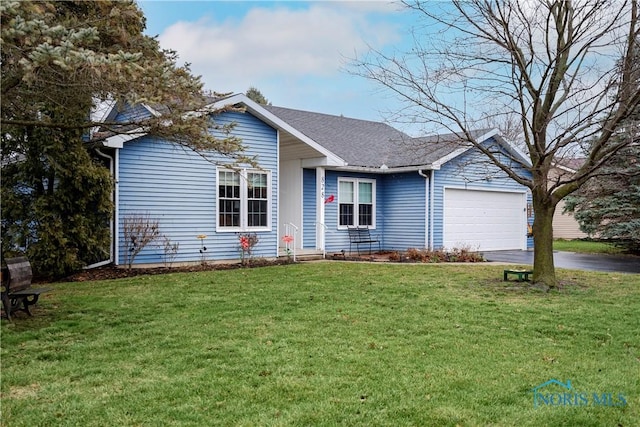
(493, 133)
(153, 111)
(113, 111)
(515, 151)
(117, 141)
(320, 162)
(441, 161)
(462, 150)
(109, 106)
(276, 122)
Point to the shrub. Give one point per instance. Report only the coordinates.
(440, 255)
(247, 242)
(139, 230)
(465, 254)
(170, 250)
(395, 256)
(414, 254)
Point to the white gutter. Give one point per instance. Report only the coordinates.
(385, 169)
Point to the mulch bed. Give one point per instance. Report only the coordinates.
(112, 272)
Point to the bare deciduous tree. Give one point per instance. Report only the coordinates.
(563, 68)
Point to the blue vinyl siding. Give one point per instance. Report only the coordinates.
(403, 211)
(129, 114)
(402, 202)
(400, 211)
(338, 239)
(469, 170)
(309, 208)
(178, 188)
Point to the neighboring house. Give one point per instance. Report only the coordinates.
(318, 174)
(565, 226)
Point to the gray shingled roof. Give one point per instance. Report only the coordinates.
(359, 142)
(367, 143)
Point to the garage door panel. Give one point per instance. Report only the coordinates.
(483, 220)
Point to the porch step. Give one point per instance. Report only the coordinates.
(303, 254)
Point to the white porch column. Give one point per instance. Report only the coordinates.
(320, 225)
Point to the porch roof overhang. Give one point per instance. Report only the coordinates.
(288, 134)
(118, 140)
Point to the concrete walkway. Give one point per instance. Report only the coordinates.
(572, 260)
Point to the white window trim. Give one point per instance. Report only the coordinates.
(356, 202)
(244, 197)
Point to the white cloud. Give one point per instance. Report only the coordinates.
(382, 6)
(279, 44)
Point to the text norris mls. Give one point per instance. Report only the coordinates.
(573, 398)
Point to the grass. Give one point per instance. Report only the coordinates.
(323, 344)
(586, 246)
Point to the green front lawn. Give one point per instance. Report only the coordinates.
(586, 246)
(326, 344)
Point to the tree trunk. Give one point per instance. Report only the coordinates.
(544, 272)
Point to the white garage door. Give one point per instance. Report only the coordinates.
(484, 220)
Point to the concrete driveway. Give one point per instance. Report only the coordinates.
(572, 260)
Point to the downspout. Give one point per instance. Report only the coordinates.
(426, 210)
(431, 207)
(116, 209)
(430, 182)
(111, 223)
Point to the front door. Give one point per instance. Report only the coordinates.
(290, 199)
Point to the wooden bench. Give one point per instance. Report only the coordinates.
(17, 293)
(359, 236)
(523, 275)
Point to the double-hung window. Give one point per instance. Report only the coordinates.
(356, 202)
(243, 200)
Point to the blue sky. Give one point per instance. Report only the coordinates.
(295, 53)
